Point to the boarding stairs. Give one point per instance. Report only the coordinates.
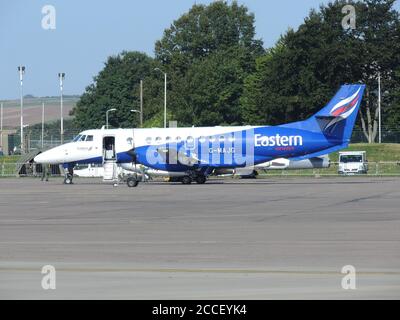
(110, 169)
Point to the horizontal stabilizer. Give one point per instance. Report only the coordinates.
(322, 152)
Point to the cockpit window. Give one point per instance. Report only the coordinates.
(77, 138)
(82, 137)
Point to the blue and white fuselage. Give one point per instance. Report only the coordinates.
(199, 150)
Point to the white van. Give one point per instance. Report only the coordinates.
(353, 162)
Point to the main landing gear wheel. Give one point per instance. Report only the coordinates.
(132, 182)
(68, 178)
(186, 180)
(201, 179)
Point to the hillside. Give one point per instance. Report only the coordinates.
(33, 110)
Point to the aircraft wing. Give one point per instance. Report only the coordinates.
(171, 155)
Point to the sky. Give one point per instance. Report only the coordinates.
(87, 32)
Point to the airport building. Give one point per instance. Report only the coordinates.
(7, 141)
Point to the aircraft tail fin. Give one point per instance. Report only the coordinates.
(338, 117)
(336, 120)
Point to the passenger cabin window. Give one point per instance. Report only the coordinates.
(189, 139)
(221, 139)
(148, 140)
(178, 138)
(158, 139)
(83, 137)
(89, 138)
(168, 139)
(211, 138)
(202, 139)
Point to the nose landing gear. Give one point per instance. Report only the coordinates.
(69, 175)
(68, 178)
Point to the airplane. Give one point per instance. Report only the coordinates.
(195, 153)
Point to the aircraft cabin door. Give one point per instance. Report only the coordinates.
(109, 149)
(110, 169)
(109, 153)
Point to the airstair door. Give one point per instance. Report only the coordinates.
(110, 168)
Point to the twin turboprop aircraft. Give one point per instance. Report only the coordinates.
(195, 153)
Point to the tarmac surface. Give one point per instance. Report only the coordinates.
(234, 239)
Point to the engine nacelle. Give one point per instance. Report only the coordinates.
(148, 171)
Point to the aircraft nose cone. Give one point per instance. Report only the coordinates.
(46, 157)
(52, 156)
(39, 158)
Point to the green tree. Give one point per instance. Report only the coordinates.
(204, 30)
(213, 87)
(116, 86)
(303, 71)
(391, 105)
(207, 53)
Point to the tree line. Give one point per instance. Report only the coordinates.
(219, 73)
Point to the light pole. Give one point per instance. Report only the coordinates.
(140, 113)
(21, 71)
(379, 107)
(61, 77)
(27, 137)
(1, 126)
(42, 124)
(165, 95)
(109, 110)
(141, 103)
